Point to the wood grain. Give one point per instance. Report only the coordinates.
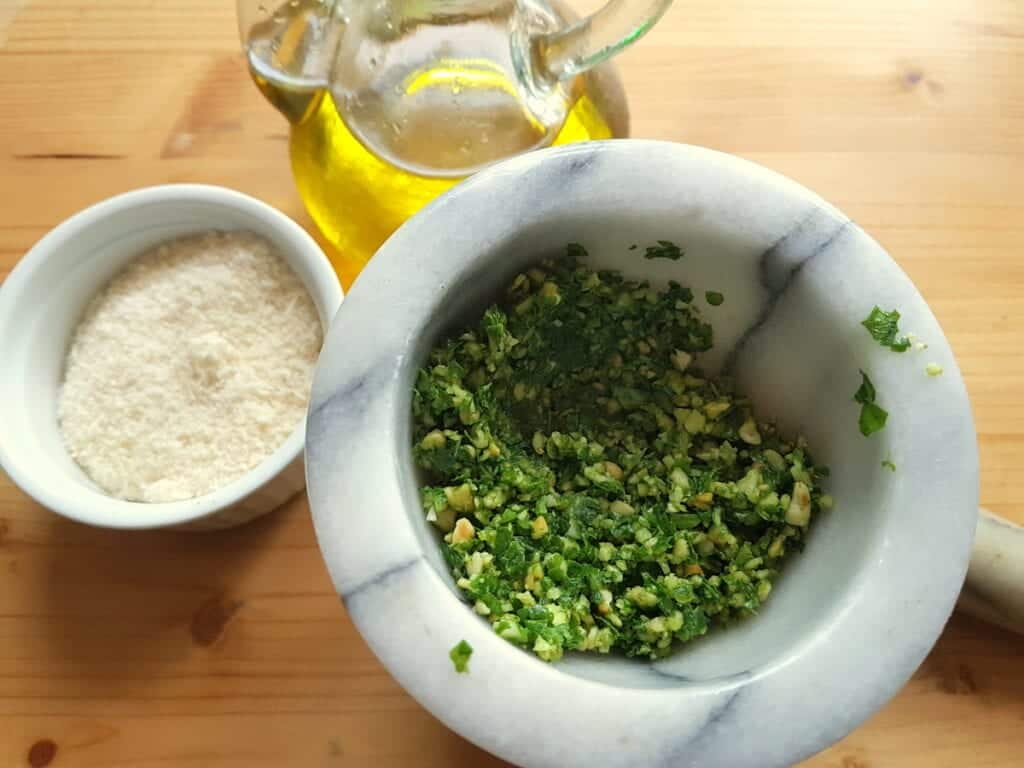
(230, 649)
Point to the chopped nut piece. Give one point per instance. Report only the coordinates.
(799, 510)
(464, 531)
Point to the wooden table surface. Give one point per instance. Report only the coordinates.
(230, 649)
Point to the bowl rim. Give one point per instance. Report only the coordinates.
(94, 508)
(394, 596)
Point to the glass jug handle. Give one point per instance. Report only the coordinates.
(568, 52)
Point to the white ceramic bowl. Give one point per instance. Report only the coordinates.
(40, 304)
(852, 616)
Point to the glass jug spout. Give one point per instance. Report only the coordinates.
(290, 45)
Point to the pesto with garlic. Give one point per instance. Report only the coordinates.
(596, 491)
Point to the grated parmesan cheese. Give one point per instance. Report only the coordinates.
(192, 366)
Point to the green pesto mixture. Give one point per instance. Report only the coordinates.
(595, 489)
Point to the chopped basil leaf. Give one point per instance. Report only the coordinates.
(664, 250)
(866, 392)
(872, 415)
(459, 655)
(888, 464)
(576, 251)
(883, 327)
(872, 418)
(714, 298)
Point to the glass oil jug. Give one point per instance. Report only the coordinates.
(392, 102)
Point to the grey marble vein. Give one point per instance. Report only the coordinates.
(683, 754)
(581, 162)
(380, 579)
(670, 673)
(782, 263)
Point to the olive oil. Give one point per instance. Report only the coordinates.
(404, 109)
(357, 198)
